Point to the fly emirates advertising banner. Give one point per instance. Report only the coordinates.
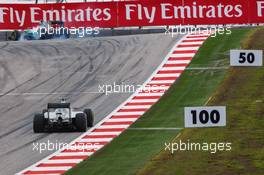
(133, 13)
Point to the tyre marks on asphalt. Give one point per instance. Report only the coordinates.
(30, 78)
(126, 114)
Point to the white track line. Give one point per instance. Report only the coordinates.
(179, 62)
(187, 48)
(168, 75)
(199, 35)
(190, 43)
(207, 68)
(198, 38)
(76, 153)
(96, 140)
(113, 126)
(150, 94)
(137, 107)
(160, 82)
(50, 168)
(131, 113)
(183, 55)
(173, 68)
(46, 93)
(123, 120)
(144, 100)
(106, 133)
(64, 161)
(83, 147)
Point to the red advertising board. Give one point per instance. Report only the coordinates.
(256, 11)
(133, 13)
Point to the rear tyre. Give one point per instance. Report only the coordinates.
(81, 122)
(38, 123)
(90, 117)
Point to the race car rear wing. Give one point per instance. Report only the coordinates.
(58, 105)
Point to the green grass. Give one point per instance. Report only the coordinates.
(130, 151)
(242, 93)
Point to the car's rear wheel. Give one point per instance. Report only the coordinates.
(38, 123)
(90, 117)
(81, 122)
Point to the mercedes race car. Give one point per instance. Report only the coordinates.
(62, 116)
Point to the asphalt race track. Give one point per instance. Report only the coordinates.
(33, 73)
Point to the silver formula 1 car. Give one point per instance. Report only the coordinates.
(62, 116)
